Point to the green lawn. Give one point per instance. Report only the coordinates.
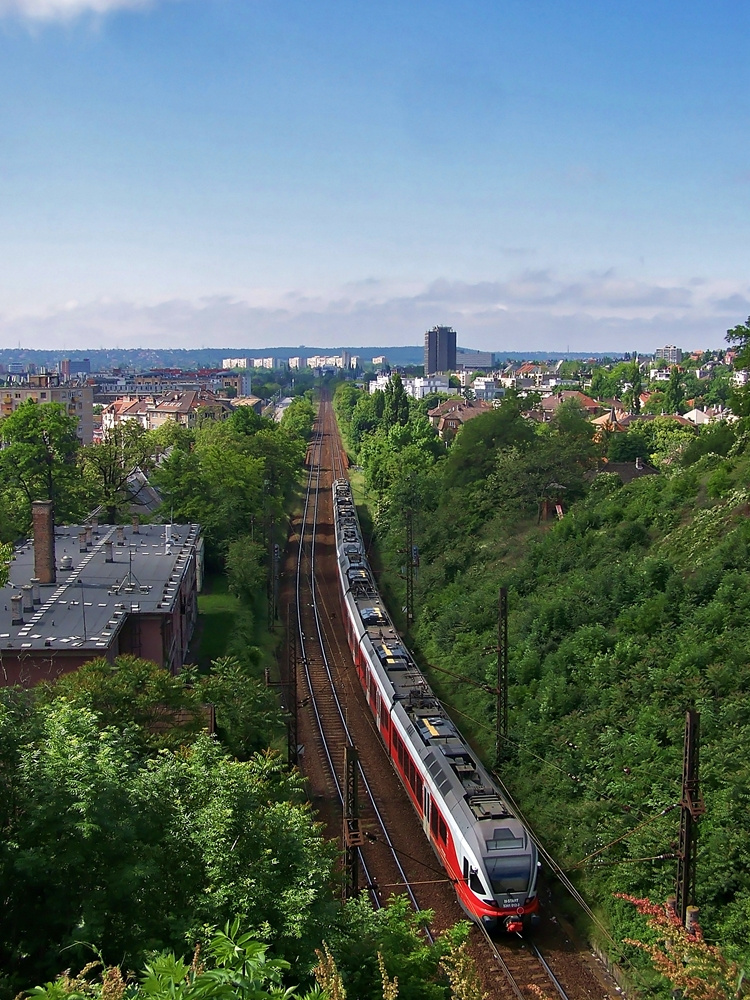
(217, 610)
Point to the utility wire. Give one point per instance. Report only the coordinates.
(632, 861)
(646, 822)
(560, 872)
(520, 746)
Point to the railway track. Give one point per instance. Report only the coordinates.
(329, 692)
(325, 703)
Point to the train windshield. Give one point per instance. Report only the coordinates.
(509, 874)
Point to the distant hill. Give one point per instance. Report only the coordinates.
(146, 358)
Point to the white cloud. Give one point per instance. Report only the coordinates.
(60, 10)
(531, 310)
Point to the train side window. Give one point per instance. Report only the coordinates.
(418, 788)
(466, 869)
(475, 884)
(442, 830)
(434, 816)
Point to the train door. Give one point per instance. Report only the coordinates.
(426, 808)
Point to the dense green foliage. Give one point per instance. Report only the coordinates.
(221, 474)
(234, 477)
(112, 841)
(38, 461)
(624, 613)
(128, 830)
(371, 953)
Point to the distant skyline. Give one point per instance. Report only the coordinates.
(545, 176)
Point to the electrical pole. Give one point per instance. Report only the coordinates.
(352, 834)
(272, 574)
(409, 567)
(692, 808)
(291, 681)
(502, 676)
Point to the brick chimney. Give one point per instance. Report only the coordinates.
(43, 519)
(15, 607)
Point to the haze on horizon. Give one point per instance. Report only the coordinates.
(541, 176)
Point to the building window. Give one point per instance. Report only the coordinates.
(44, 395)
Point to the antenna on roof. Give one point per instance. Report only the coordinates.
(83, 609)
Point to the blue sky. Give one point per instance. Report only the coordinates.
(538, 174)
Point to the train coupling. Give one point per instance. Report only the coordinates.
(513, 925)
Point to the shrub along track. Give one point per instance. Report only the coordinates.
(395, 850)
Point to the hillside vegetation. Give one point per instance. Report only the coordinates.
(130, 836)
(624, 613)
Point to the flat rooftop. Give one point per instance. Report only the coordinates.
(92, 598)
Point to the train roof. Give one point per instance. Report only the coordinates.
(473, 798)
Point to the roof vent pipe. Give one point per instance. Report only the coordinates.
(15, 605)
(89, 536)
(108, 551)
(27, 599)
(136, 524)
(120, 534)
(639, 463)
(34, 581)
(82, 540)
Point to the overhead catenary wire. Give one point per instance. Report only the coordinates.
(624, 836)
(520, 746)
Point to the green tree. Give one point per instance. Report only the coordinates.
(628, 445)
(633, 393)
(739, 336)
(396, 408)
(38, 461)
(472, 455)
(739, 398)
(606, 383)
(298, 419)
(108, 467)
(656, 403)
(246, 571)
(674, 392)
(132, 853)
(248, 717)
(233, 964)
(165, 710)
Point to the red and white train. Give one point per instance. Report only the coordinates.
(483, 846)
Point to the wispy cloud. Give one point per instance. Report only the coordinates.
(533, 310)
(64, 10)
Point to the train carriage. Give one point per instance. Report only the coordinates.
(483, 846)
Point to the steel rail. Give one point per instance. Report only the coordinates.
(315, 472)
(342, 716)
(515, 988)
(505, 968)
(336, 459)
(553, 978)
